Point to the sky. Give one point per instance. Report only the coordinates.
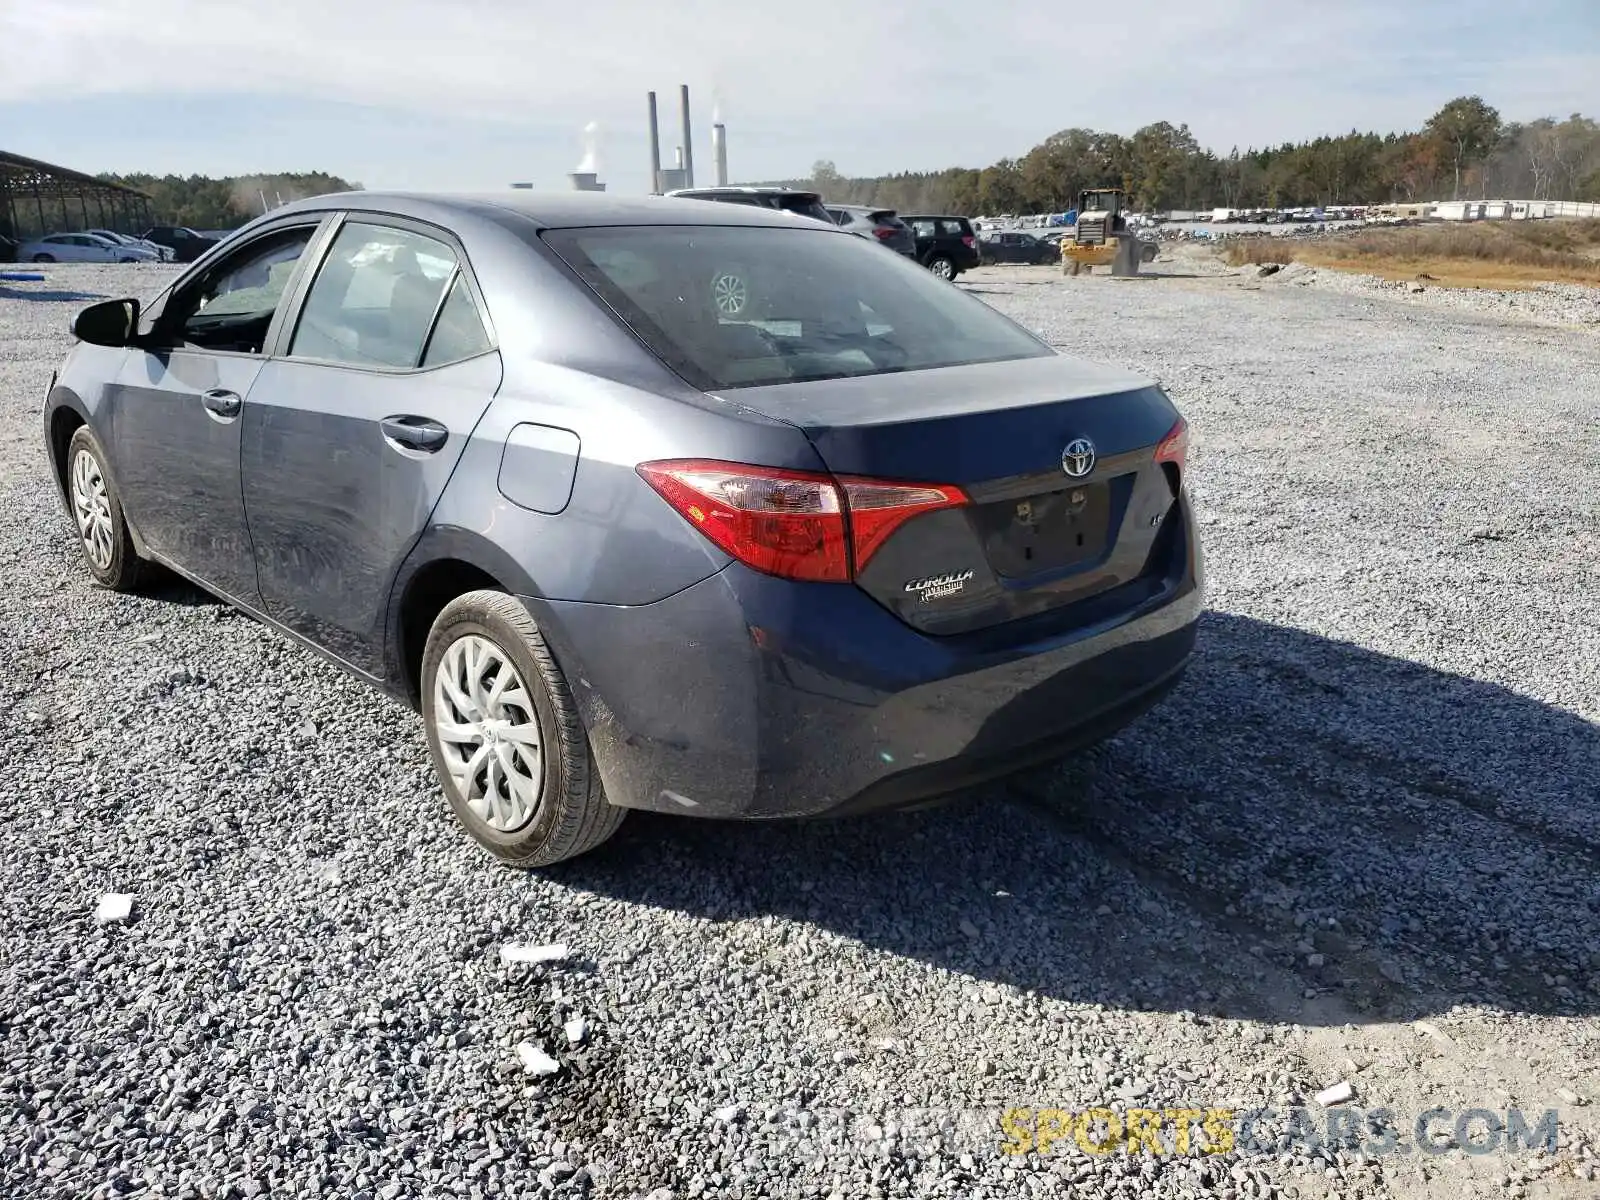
(475, 94)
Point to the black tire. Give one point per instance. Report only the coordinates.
(942, 267)
(1147, 254)
(44, 258)
(572, 816)
(123, 570)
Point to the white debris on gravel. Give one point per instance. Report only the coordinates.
(113, 907)
(536, 1061)
(1386, 751)
(577, 1030)
(523, 954)
(1339, 1093)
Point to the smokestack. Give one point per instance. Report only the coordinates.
(655, 149)
(719, 152)
(688, 139)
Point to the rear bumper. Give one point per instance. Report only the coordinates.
(747, 696)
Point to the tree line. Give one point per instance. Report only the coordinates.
(201, 202)
(1464, 151)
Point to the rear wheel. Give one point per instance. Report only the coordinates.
(44, 258)
(942, 267)
(508, 746)
(97, 512)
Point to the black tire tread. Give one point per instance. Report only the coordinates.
(586, 818)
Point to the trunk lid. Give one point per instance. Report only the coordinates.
(1034, 537)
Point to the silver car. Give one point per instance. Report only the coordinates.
(81, 247)
(875, 224)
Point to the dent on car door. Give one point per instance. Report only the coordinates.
(350, 437)
(175, 409)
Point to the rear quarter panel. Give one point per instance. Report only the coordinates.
(573, 369)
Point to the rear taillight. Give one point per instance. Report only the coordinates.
(1173, 452)
(969, 241)
(794, 524)
(884, 232)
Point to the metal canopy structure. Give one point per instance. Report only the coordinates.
(37, 198)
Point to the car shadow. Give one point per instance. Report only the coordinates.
(1305, 830)
(14, 292)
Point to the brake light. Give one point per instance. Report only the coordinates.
(877, 509)
(794, 524)
(884, 232)
(1174, 448)
(1172, 454)
(968, 241)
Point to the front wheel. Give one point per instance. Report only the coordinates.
(942, 267)
(508, 745)
(44, 258)
(97, 512)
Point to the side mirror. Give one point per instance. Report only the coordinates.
(109, 323)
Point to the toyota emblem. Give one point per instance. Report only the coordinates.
(1077, 460)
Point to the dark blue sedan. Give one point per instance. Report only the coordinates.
(643, 503)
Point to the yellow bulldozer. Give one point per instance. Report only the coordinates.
(1102, 237)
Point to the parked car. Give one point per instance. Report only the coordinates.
(164, 253)
(947, 246)
(504, 457)
(186, 245)
(875, 224)
(82, 247)
(1016, 247)
(808, 204)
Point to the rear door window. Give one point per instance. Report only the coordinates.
(459, 333)
(375, 298)
(954, 228)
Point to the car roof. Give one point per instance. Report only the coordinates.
(741, 189)
(546, 210)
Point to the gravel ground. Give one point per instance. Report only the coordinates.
(1359, 844)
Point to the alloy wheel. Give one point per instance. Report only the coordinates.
(729, 294)
(484, 717)
(91, 507)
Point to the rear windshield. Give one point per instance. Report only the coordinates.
(742, 307)
(806, 205)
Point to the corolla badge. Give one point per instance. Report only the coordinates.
(1077, 460)
(936, 587)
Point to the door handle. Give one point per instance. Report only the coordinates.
(222, 402)
(414, 433)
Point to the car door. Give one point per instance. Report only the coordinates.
(351, 435)
(174, 407)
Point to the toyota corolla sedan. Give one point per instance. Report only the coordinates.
(644, 504)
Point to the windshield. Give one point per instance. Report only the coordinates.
(731, 307)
